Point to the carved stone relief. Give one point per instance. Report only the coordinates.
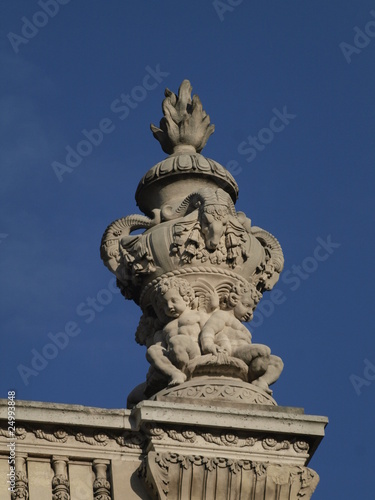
(170, 475)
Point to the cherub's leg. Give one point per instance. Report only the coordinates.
(274, 370)
(258, 367)
(182, 350)
(157, 356)
(272, 373)
(256, 356)
(193, 348)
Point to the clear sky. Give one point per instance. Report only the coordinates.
(311, 183)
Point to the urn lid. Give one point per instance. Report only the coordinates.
(183, 132)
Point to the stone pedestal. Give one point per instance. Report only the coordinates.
(209, 452)
(161, 450)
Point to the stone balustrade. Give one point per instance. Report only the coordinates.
(159, 449)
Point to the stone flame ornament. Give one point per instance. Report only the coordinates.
(198, 270)
(185, 126)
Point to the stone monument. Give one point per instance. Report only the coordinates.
(204, 424)
(198, 271)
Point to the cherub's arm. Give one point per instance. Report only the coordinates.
(207, 336)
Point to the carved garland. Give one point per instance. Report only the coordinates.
(222, 439)
(126, 439)
(97, 439)
(139, 440)
(20, 433)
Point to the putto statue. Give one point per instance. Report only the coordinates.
(197, 271)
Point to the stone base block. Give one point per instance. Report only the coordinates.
(209, 452)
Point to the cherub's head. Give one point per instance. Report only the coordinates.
(242, 299)
(174, 295)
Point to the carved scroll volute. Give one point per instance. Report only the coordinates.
(60, 481)
(21, 490)
(102, 487)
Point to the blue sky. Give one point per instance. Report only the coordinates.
(312, 182)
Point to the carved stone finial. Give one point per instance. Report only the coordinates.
(198, 270)
(185, 127)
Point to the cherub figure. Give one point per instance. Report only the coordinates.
(178, 342)
(224, 333)
(149, 334)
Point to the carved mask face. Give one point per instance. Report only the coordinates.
(244, 308)
(174, 305)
